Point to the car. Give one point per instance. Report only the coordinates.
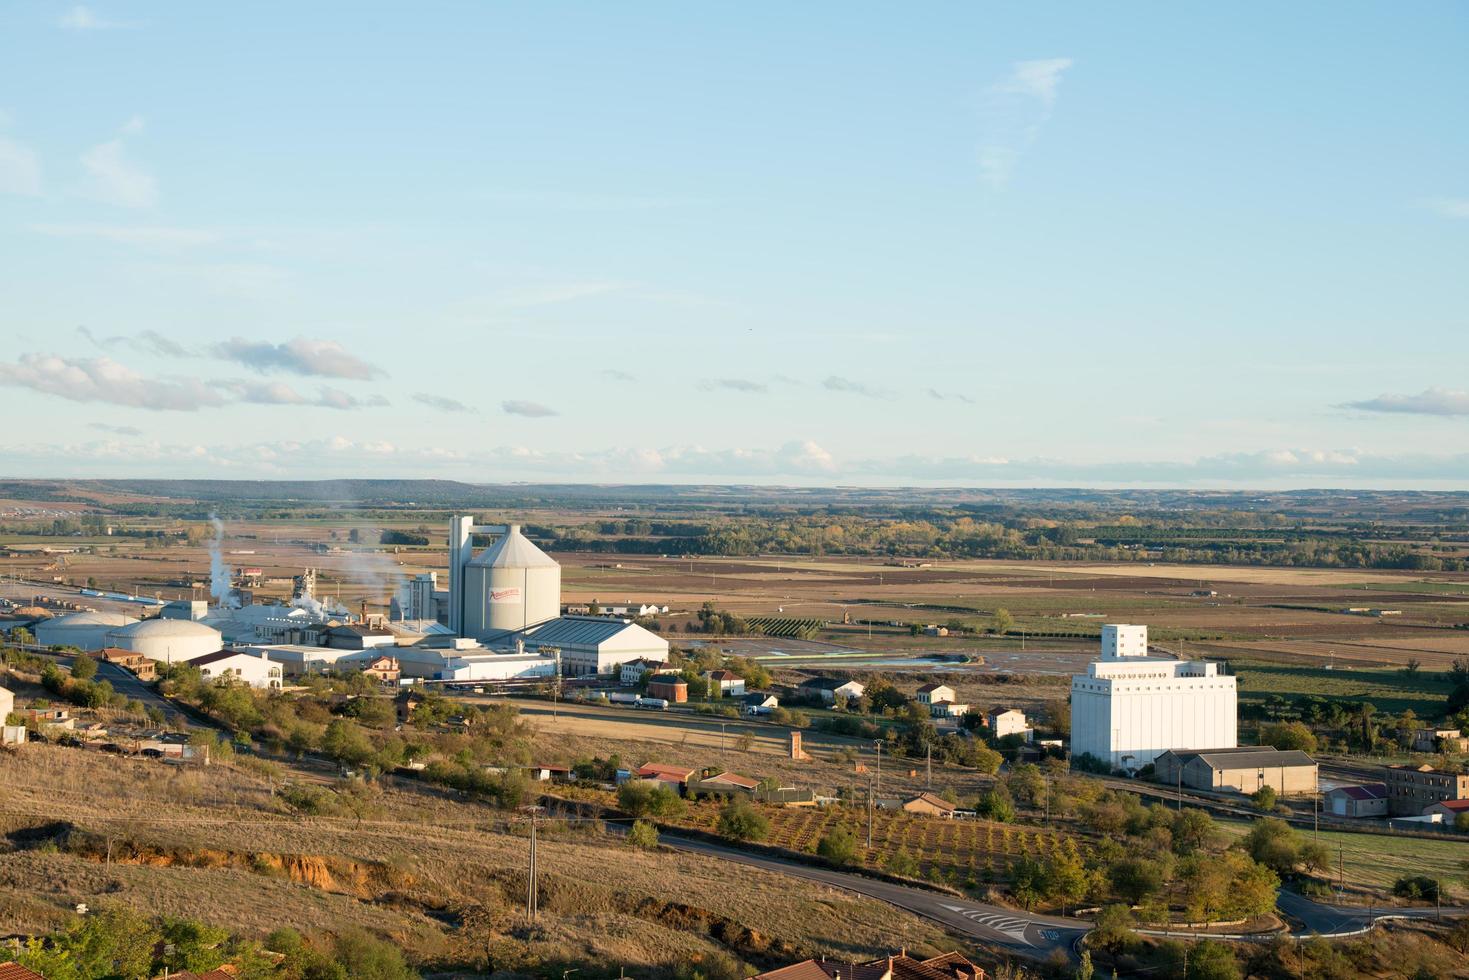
(152, 753)
(114, 748)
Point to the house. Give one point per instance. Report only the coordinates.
(1413, 789)
(925, 804)
(14, 971)
(725, 784)
(670, 687)
(1369, 800)
(759, 704)
(633, 671)
(238, 667)
(935, 631)
(728, 683)
(1439, 740)
(899, 966)
(1448, 810)
(676, 776)
(829, 689)
(549, 774)
(45, 718)
(384, 669)
(1009, 721)
(142, 667)
(1244, 769)
(947, 709)
(7, 703)
(934, 693)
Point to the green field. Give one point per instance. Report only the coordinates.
(1378, 860)
(1389, 689)
(1443, 588)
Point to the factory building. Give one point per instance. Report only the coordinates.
(1129, 707)
(508, 597)
(84, 630)
(420, 599)
(168, 641)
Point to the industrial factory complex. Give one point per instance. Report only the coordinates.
(499, 620)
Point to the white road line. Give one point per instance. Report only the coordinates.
(1005, 925)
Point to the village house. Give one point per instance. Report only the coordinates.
(1439, 740)
(900, 966)
(947, 709)
(934, 693)
(236, 667)
(725, 784)
(1009, 721)
(1243, 769)
(726, 682)
(142, 667)
(676, 776)
(384, 669)
(829, 689)
(924, 804)
(632, 672)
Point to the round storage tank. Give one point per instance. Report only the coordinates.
(168, 640)
(511, 585)
(83, 630)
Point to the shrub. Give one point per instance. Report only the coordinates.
(643, 835)
(839, 846)
(742, 822)
(1417, 888)
(1264, 798)
(649, 799)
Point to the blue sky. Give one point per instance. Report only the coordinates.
(848, 243)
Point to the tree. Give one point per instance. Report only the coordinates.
(643, 835)
(346, 742)
(1001, 622)
(1027, 882)
(643, 798)
(1192, 830)
(1067, 880)
(1084, 969)
(1136, 879)
(83, 668)
(1288, 735)
(1211, 961)
(838, 846)
(1264, 798)
(1113, 930)
(742, 822)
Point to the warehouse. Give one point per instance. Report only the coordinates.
(497, 667)
(1244, 769)
(595, 644)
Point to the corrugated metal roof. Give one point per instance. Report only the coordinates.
(578, 631)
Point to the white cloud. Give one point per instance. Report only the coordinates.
(847, 385)
(303, 355)
(102, 379)
(1433, 401)
(82, 18)
(1014, 110)
(441, 403)
(148, 236)
(530, 410)
(116, 179)
(20, 169)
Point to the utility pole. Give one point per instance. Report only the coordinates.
(721, 740)
(556, 688)
(928, 764)
(1316, 812)
(869, 813)
(878, 743)
(1341, 868)
(1178, 768)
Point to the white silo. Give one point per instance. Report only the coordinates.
(511, 585)
(83, 630)
(171, 641)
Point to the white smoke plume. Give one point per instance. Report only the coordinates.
(219, 573)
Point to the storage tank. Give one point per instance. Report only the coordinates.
(170, 641)
(83, 630)
(511, 585)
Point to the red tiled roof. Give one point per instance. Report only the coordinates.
(14, 971)
(804, 970)
(657, 770)
(734, 779)
(1455, 806)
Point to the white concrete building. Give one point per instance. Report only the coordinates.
(498, 667)
(934, 693)
(1009, 721)
(1128, 707)
(238, 667)
(7, 704)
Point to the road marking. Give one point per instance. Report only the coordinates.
(1005, 925)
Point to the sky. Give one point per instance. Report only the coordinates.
(849, 243)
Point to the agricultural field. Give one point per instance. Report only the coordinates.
(957, 852)
(1374, 861)
(1389, 689)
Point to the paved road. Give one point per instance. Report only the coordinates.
(1022, 933)
(1345, 920)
